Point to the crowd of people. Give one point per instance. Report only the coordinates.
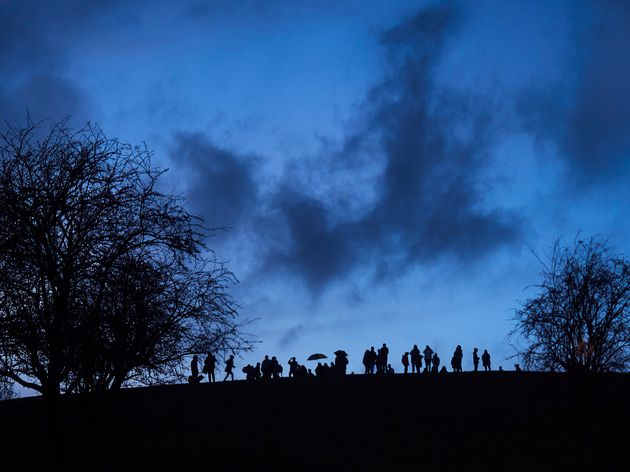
(375, 362)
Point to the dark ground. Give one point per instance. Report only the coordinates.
(482, 421)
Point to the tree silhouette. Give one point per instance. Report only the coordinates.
(579, 321)
(104, 279)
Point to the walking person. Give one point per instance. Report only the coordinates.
(229, 367)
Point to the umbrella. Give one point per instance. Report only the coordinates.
(314, 357)
(341, 353)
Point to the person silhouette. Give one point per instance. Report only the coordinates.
(385, 353)
(380, 367)
(229, 367)
(275, 368)
(416, 360)
(372, 360)
(458, 355)
(517, 367)
(405, 361)
(293, 367)
(366, 361)
(265, 368)
(341, 362)
(257, 373)
(485, 360)
(435, 360)
(194, 371)
(209, 366)
(428, 353)
(476, 359)
(248, 370)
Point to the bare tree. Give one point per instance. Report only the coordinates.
(579, 321)
(6, 389)
(103, 278)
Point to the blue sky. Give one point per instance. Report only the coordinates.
(386, 168)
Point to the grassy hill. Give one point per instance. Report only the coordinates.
(469, 421)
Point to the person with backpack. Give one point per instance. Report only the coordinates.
(405, 361)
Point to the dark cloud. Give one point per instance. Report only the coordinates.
(432, 149)
(37, 40)
(46, 97)
(587, 114)
(291, 336)
(221, 184)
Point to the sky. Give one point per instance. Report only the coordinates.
(386, 171)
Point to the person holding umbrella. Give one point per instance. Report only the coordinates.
(319, 370)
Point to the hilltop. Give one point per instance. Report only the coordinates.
(468, 421)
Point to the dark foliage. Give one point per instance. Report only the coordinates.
(580, 320)
(104, 279)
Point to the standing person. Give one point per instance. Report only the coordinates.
(485, 360)
(385, 351)
(366, 361)
(456, 362)
(209, 366)
(229, 367)
(405, 361)
(275, 368)
(379, 361)
(476, 359)
(373, 359)
(416, 360)
(428, 352)
(341, 362)
(436, 363)
(194, 370)
(265, 367)
(293, 367)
